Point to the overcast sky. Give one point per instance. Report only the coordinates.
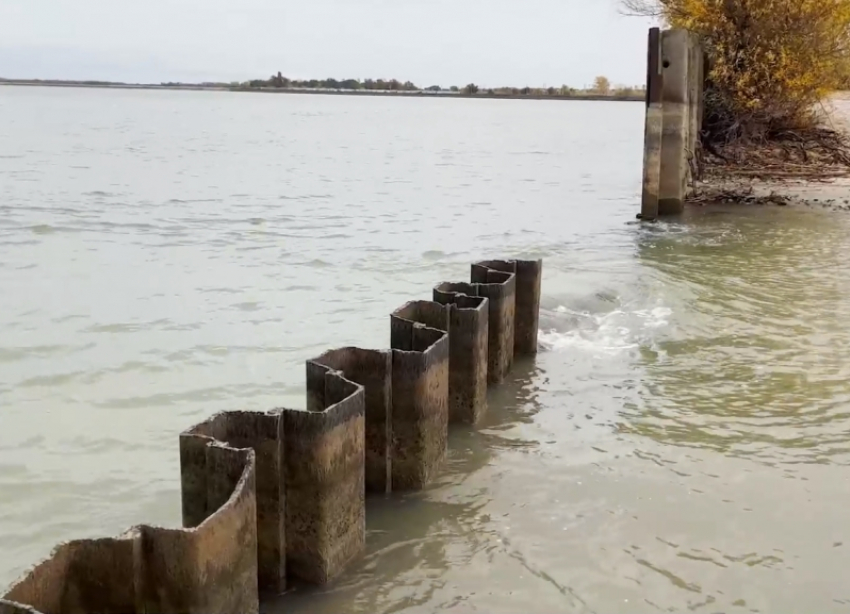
(444, 42)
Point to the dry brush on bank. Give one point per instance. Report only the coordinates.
(773, 65)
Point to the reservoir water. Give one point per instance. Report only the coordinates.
(681, 442)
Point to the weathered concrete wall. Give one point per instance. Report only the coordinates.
(678, 92)
(676, 122)
(260, 431)
(653, 127)
(496, 279)
(325, 477)
(468, 337)
(420, 389)
(696, 96)
(209, 569)
(371, 369)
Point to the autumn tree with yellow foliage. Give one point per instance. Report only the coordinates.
(772, 62)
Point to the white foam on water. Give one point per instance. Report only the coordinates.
(608, 333)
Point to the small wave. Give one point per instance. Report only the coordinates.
(531, 152)
(608, 333)
(49, 381)
(656, 317)
(304, 196)
(117, 327)
(128, 225)
(181, 201)
(12, 354)
(610, 342)
(434, 255)
(317, 263)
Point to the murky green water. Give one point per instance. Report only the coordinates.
(680, 442)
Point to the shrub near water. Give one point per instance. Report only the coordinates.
(772, 63)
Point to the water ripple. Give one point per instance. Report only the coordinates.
(679, 443)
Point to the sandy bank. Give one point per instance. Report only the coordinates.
(833, 193)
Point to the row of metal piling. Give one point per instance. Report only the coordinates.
(273, 496)
(675, 87)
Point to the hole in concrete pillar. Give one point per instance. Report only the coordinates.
(666, 63)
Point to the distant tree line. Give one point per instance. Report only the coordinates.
(600, 87)
(279, 81)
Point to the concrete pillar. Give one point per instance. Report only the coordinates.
(694, 90)
(468, 335)
(325, 478)
(499, 287)
(241, 429)
(694, 95)
(705, 76)
(371, 369)
(420, 390)
(653, 126)
(211, 568)
(675, 129)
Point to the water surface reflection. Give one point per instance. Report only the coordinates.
(757, 367)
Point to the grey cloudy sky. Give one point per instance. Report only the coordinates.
(490, 42)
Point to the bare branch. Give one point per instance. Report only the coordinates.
(642, 8)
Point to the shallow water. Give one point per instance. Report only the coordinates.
(678, 443)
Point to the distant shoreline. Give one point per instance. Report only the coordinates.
(314, 91)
